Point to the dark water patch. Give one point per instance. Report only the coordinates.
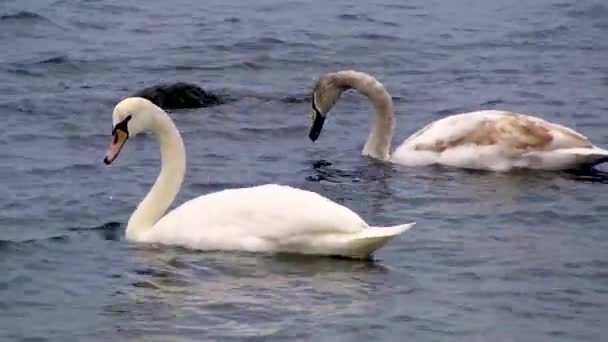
(145, 285)
(294, 99)
(378, 37)
(492, 103)
(20, 71)
(232, 20)
(110, 231)
(506, 71)
(594, 11)
(401, 6)
(117, 9)
(545, 33)
(508, 45)
(24, 16)
(351, 17)
(364, 18)
(112, 225)
(322, 171)
(55, 65)
(601, 25)
(593, 175)
(16, 281)
(55, 60)
(240, 65)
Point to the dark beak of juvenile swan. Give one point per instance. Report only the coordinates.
(120, 134)
(317, 123)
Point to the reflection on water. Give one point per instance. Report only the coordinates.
(241, 294)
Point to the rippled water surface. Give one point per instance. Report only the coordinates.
(494, 257)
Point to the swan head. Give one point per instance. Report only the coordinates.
(131, 116)
(326, 93)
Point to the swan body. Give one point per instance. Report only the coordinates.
(485, 140)
(267, 218)
(498, 141)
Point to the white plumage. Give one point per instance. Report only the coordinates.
(267, 218)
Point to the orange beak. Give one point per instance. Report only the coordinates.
(118, 140)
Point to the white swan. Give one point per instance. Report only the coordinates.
(486, 140)
(267, 218)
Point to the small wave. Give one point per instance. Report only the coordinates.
(39, 67)
(595, 11)
(363, 17)
(111, 231)
(10, 244)
(296, 99)
(247, 65)
(274, 131)
(24, 72)
(67, 169)
(402, 6)
(492, 103)
(55, 60)
(89, 25)
(24, 16)
(377, 36)
(348, 16)
(15, 282)
(262, 43)
(232, 20)
(550, 33)
(112, 225)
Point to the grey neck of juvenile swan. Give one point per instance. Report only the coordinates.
(380, 136)
(167, 185)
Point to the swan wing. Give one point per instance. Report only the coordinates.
(497, 140)
(269, 210)
(486, 128)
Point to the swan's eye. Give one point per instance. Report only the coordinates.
(123, 126)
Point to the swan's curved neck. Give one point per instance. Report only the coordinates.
(167, 185)
(380, 136)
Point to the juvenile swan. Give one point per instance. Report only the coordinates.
(486, 140)
(266, 218)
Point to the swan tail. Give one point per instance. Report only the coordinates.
(589, 156)
(364, 243)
